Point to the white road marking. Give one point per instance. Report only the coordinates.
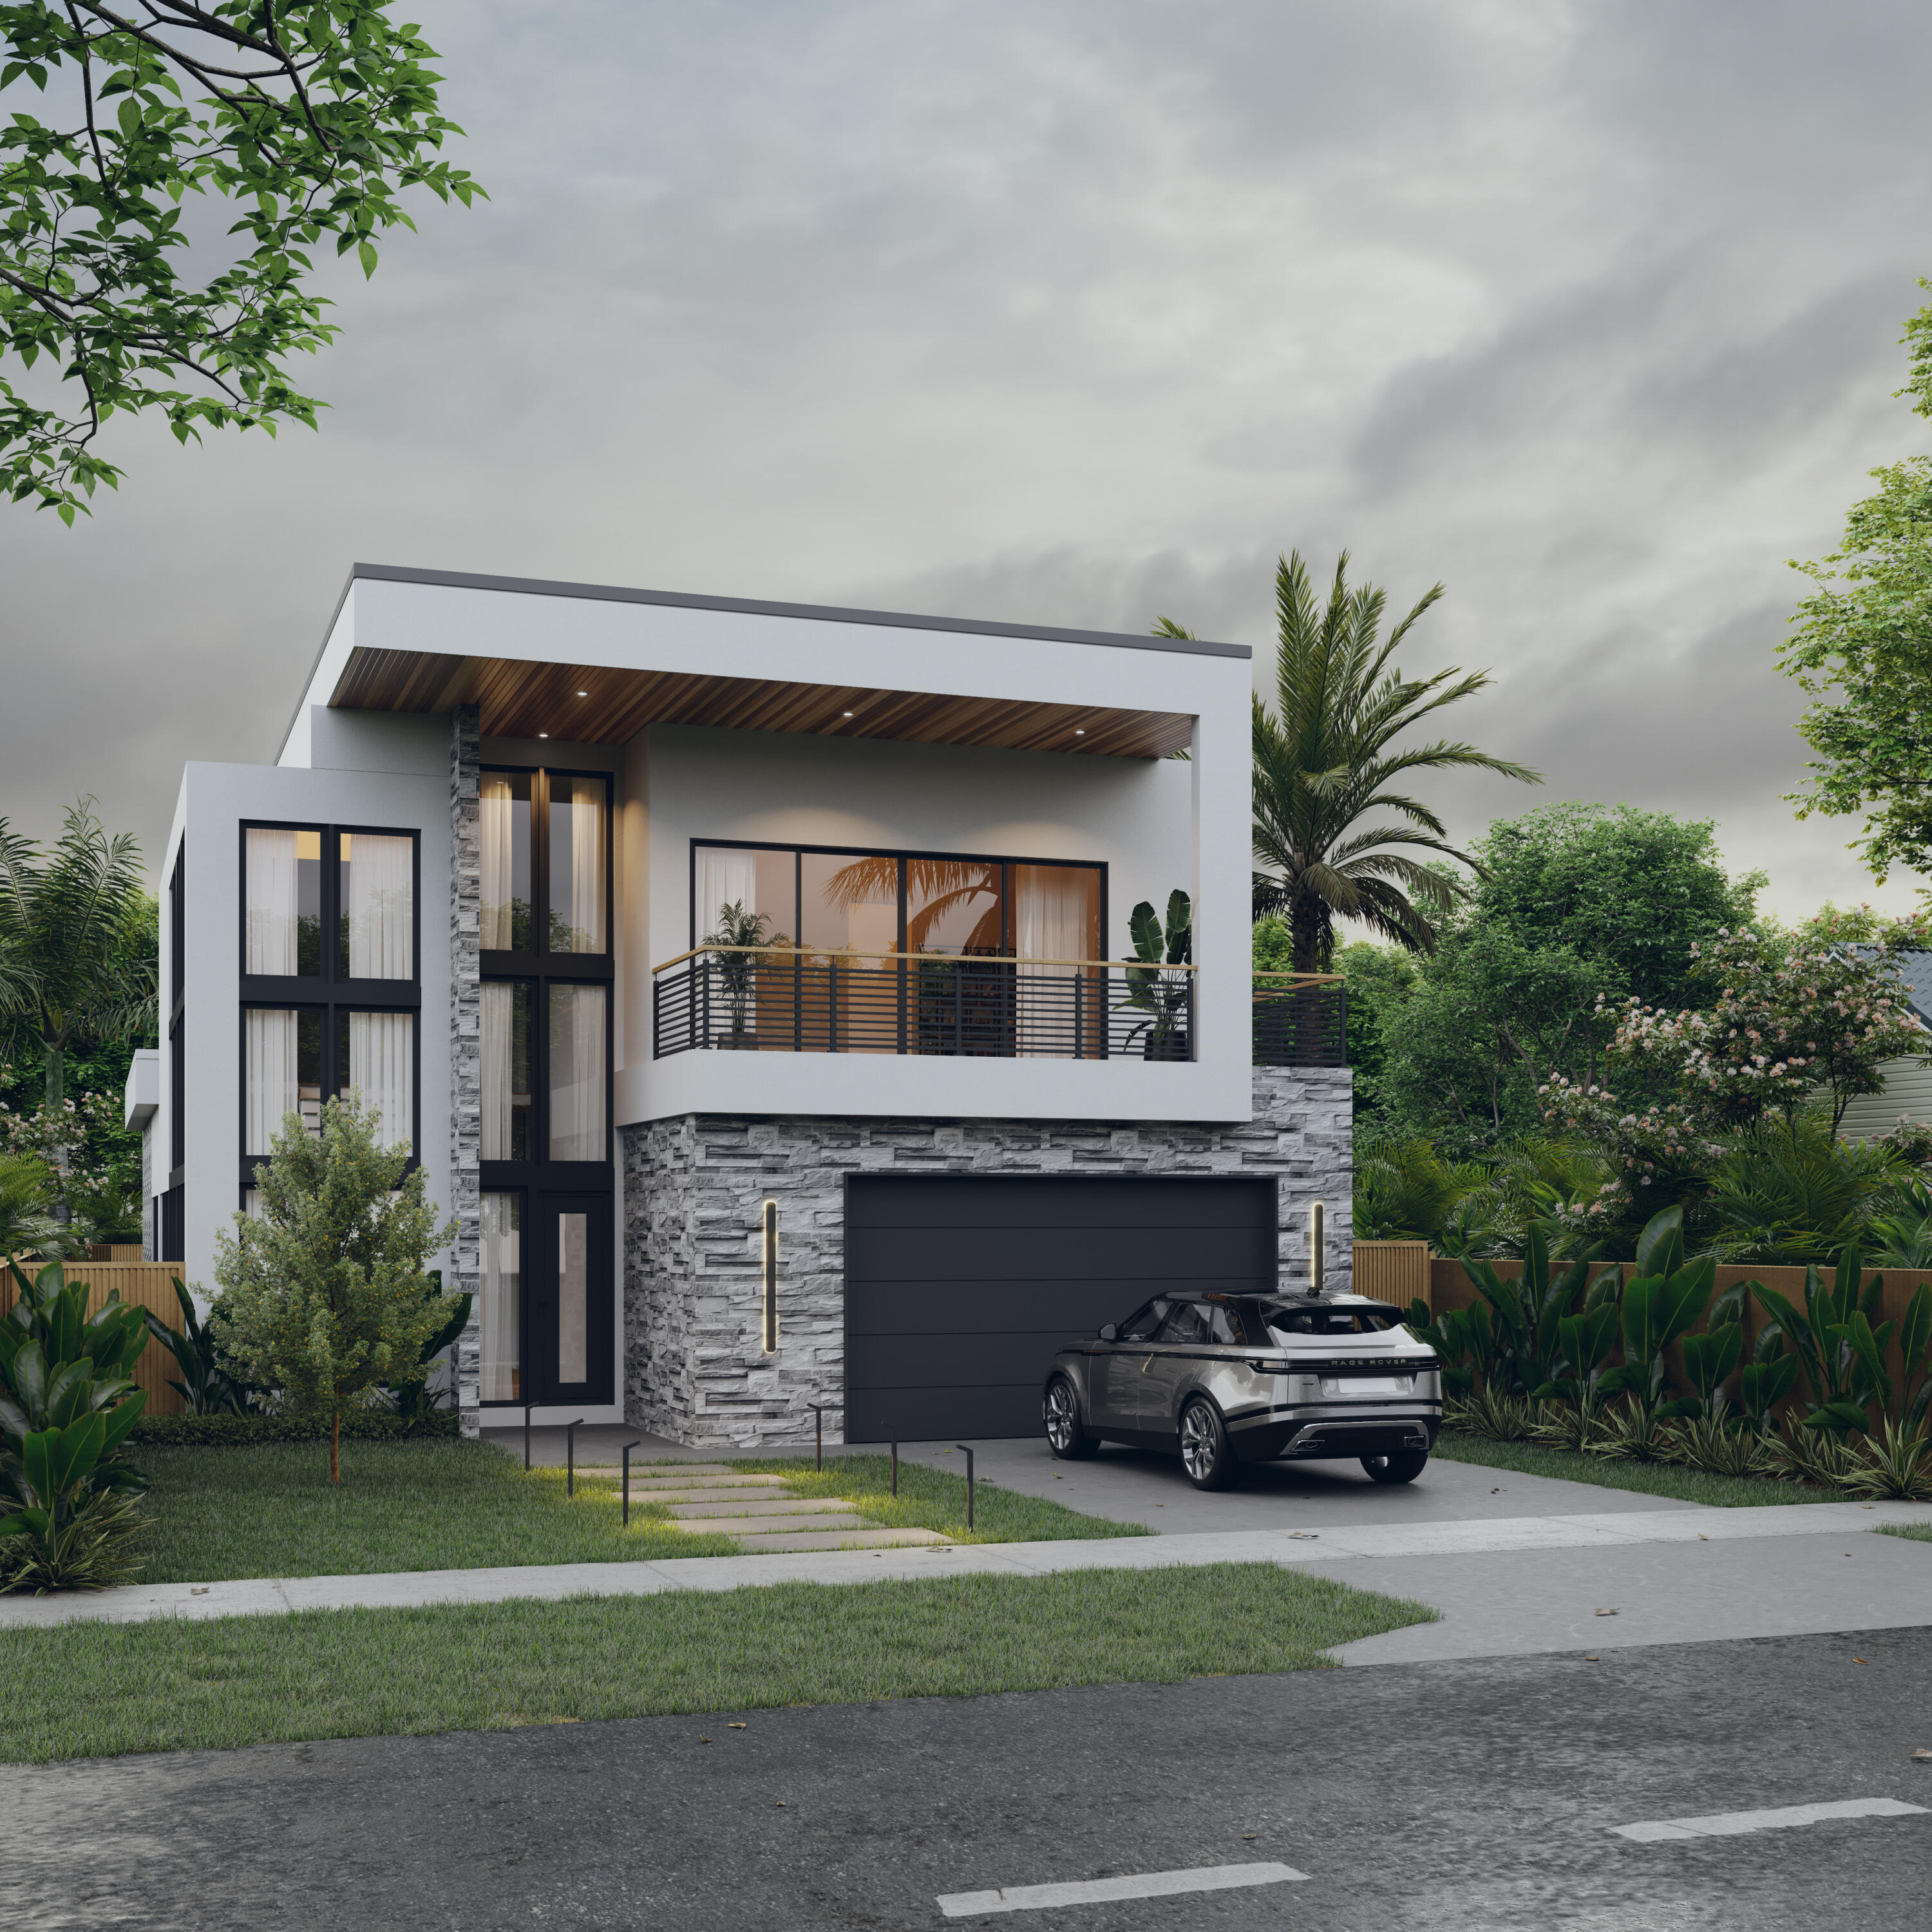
(1730, 1824)
(1095, 1891)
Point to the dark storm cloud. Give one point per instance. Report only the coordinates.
(1079, 312)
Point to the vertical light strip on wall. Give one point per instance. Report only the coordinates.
(1314, 1253)
(771, 1308)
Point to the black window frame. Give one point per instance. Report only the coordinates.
(902, 854)
(540, 1181)
(333, 995)
(177, 1026)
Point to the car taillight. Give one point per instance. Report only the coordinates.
(1264, 1365)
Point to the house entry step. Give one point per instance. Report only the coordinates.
(736, 1506)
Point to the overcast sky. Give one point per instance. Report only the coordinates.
(1079, 312)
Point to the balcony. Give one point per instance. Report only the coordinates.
(783, 999)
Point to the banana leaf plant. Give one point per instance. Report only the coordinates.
(1528, 1311)
(205, 1387)
(1845, 1354)
(52, 1311)
(1154, 989)
(1463, 1341)
(1665, 1301)
(415, 1399)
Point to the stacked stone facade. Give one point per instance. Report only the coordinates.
(465, 1080)
(693, 1368)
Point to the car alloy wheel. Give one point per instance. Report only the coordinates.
(1064, 1435)
(1205, 1454)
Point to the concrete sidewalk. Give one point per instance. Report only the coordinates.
(1508, 1584)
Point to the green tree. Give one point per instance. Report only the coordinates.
(1325, 760)
(77, 960)
(324, 1295)
(1861, 647)
(309, 118)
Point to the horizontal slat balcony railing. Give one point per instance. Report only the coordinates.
(776, 1000)
(780, 1000)
(1301, 1020)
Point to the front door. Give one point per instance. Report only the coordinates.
(568, 1342)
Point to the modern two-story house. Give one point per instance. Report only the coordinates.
(749, 979)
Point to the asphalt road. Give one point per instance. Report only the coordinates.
(1452, 1795)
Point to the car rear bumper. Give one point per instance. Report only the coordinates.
(1310, 1438)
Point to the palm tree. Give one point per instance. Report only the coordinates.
(1322, 764)
(77, 957)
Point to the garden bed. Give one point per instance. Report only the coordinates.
(1605, 1472)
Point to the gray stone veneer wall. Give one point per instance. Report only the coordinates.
(465, 1073)
(693, 1370)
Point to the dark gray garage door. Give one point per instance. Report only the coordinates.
(959, 1289)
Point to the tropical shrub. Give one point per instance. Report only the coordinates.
(66, 1407)
(1786, 1191)
(247, 1432)
(1163, 996)
(325, 1294)
(206, 1387)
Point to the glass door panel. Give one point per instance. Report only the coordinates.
(501, 1284)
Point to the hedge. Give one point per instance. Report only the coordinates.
(241, 1432)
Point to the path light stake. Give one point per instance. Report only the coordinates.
(770, 1213)
(1315, 1255)
(628, 1447)
(896, 1465)
(526, 1436)
(817, 1435)
(570, 1429)
(968, 1454)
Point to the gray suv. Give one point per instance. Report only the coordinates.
(1225, 1379)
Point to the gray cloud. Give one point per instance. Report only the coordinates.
(1079, 312)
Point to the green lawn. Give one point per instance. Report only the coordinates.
(90, 1690)
(1914, 1532)
(931, 1499)
(1651, 1479)
(271, 1511)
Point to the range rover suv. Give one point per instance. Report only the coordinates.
(1225, 1379)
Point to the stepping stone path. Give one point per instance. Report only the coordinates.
(762, 1512)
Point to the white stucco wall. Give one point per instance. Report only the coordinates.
(1136, 816)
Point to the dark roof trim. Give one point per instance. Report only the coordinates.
(824, 614)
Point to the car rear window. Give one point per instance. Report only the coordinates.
(1362, 1319)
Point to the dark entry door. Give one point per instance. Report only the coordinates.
(567, 1342)
(959, 1289)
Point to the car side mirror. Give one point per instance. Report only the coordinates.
(1110, 1332)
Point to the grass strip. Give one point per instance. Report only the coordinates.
(1650, 1479)
(1912, 1532)
(177, 1685)
(271, 1510)
(930, 1499)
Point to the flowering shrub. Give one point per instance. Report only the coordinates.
(1656, 1156)
(58, 1135)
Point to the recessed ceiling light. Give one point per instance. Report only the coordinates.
(583, 694)
(848, 714)
(543, 734)
(1079, 731)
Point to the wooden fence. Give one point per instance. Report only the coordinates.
(150, 1285)
(1396, 1271)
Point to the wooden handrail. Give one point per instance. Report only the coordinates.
(809, 953)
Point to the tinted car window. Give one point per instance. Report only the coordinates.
(1360, 1320)
(1226, 1324)
(1139, 1326)
(1186, 1321)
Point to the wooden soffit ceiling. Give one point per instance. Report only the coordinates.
(603, 706)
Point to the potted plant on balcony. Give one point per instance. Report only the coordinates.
(735, 969)
(1163, 995)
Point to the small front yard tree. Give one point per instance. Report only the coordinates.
(325, 1294)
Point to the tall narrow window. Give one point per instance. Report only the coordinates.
(1059, 1004)
(375, 1057)
(501, 1281)
(284, 903)
(576, 912)
(577, 1062)
(508, 894)
(573, 1297)
(283, 1052)
(506, 1070)
(378, 919)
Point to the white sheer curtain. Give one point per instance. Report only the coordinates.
(381, 1065)
(573, 1297)
(498, 818)
(380, 890)
(577, 1066)
(1056, 910)
(586, 865)
(270, 1045)
(725, 877)
(501, 1282)
(498, 1036)
(271, 903)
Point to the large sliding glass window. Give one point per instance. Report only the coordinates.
(329, 989)
(548, 1288)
